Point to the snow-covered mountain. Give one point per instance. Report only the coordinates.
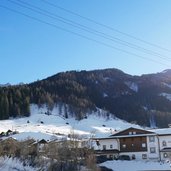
(144, 100)
(5, 85)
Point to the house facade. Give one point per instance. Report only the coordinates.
(138, 144)
(108, 147)
(164, 143)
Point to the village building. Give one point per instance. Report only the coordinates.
(108, 147)
(136, 143)
(164, 142)
(41, 146)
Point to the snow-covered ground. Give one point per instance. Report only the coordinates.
(40, 125)
(10, 164)
(136, 166)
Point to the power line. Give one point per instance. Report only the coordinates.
(87, 29)
(82, 36)
(106, 26)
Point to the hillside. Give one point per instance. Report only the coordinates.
(49, 127)
(145, 99)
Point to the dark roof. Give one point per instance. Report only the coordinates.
(131, 129)
(104, 138)
(9, 131)
(43, 141)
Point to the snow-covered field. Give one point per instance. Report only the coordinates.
(40, 125)
(136, 166)
(10, 164)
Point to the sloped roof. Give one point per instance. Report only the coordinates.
(132, 132)
(43, 141)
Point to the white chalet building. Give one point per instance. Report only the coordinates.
(139, 144)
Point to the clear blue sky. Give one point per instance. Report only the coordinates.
(31, 50)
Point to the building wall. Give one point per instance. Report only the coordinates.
(137, 155)
(165, 156)
(133, 144)
(165, 142)
(153, 147)
(143, 148)
(108, 144)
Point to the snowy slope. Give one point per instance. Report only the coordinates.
(40, 125)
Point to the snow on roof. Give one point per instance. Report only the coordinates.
(162, 131)
(35, 135)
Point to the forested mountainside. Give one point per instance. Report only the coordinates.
(145, 99)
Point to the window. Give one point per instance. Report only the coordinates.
(143, 145)
(144, 156)
(133, 157)
(97, 142)
(164, 143)
(134, 133)
(111, 156)
(104, 147)
(151, 138)
(124, 146)
(111, 146)
(152, 149)
(130, 133)
(165, 155)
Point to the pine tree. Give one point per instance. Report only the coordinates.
(4, 107)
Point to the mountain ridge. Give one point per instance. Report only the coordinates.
(140, 99)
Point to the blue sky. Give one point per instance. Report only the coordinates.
(31, 50)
